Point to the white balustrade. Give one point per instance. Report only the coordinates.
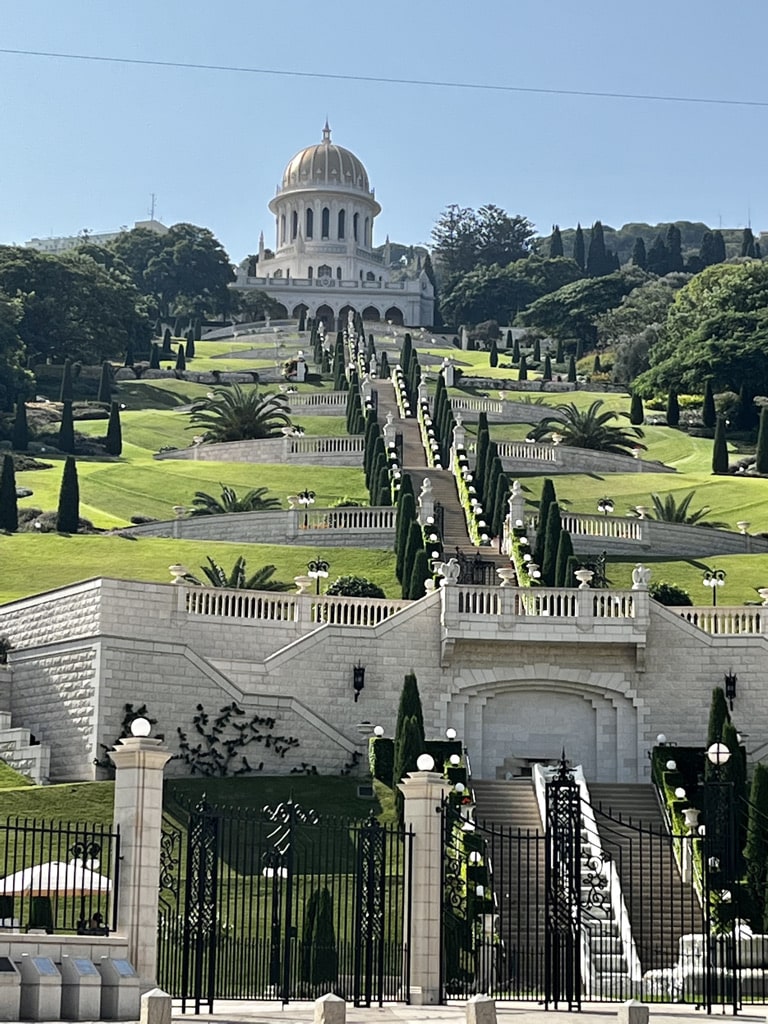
(541, 602)
(337, 399)
(476, 405)
(326, 445)
(354, 611)
(351, 519)
(289, 608)
(527, 451)
(726, 621)
(611, 527)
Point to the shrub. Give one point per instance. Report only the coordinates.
(670, 594)
(354, 586)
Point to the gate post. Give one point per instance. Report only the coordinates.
(138, 811)
(423, 793)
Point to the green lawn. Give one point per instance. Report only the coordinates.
(744, 574)
(38, 562)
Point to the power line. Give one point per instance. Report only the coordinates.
(383, 80)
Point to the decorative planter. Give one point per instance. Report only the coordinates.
(508, 576)
(304, 583)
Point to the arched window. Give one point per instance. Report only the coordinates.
(370, 276)
(338, 273)
(282, 230)
(287, 272)
(361, 275)
(309, 273)
(355, 222)
(367, 231)
(325, 222)
(342, 223)
(324, 271)
(278, 273)
(310, 223)
(294, 225)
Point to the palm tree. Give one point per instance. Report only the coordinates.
(253, 501)
(668, 510)
(237, 579)
(590, 428)
(232, 414)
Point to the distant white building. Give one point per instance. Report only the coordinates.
(62, 243)
(324, 261)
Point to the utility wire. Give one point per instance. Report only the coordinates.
(382, 80)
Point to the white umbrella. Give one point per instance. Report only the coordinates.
(54, 877)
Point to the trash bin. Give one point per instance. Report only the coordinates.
(40, 988)
(80, 989)
(120, 992)
(10, 989)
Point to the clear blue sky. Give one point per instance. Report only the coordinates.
(84, 144)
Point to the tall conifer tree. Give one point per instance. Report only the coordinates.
(68, 514)
(579, 252)
(556, 242)
(9, 504)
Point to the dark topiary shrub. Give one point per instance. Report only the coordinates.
(354, 586)
(670, 594)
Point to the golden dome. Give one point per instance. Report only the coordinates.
(325, 164)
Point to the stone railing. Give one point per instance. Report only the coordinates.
(326, 445)
(476, 405)
(613, 527)
(737, 620)
(350, 519)
(306, 609)
(336, 451)
(303, 401)
(544, 602)
(527, 451)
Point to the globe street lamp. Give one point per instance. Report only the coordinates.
(306, 498)
(720, 872)
(714, 578)
(606, 506)
(318, 570)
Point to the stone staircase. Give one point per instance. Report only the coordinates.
(661, 907)
(20, 753)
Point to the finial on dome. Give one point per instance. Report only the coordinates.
(327, 132)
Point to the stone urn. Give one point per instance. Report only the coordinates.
(304, 583)
(178, 572)
(691, 816)
(507, 575)
(584, 576)
(763, 592)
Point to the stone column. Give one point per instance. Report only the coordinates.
(138, 811)
(423, 793)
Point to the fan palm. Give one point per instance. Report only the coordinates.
(237, 578)
(590, 428)
(253, 501)
(668, 510)
(232, 414)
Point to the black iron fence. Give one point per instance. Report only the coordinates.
(280, 905)
(58, 876)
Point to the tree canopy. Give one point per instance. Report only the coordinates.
(716, 329)
(465, 239)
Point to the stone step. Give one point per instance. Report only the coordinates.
(18, 752)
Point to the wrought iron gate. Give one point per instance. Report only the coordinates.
(278, 904)
(595, 907)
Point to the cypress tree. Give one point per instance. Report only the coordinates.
(560, 353)
(189, 349)
(66, 429)
(105, 384)
(718, 716)
(65, 392)
(154, 357)
(419, 575)
(579, 252)
(325, 366)
(516, 350)
(707, 249)
(756, 847)
(761, 454)
(537, 349)
(323, 956)
(383, 488)
(748, 243)
(744, 413)
(658, 257)
(129, 357)
(384, 371)
(563, 560)
(509, 339)
(596, 367)
(548, 497)
(499, 506)
(718, 246)
(493, 356)
(68, 515)
(409, 706)
(547, 373)
(481, 452)
(9, 504)
(636, 411)
(495, 470)
(20, 436)
(674, 249)
(571, 369)
(409, 745)
(551, 542)
(197, 330)
(406, 514)
(414, 543)
(639, 258)
(302, 320)
(522, 373)
(708, 411)
(181, 362)
(166, 350)
(597, 263)
(405, 353)
(178, 327)
(579, 349)
(113, 443)
(720, 448)
(673, 408)
(556, 242)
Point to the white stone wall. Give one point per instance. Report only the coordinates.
(512, 686)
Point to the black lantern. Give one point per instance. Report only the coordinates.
(358, 679)
(730, 687)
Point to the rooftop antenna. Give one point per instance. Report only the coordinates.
(152, 206)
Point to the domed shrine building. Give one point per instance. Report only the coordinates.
(324, 262)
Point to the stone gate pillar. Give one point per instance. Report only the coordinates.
(138, 811)
(423, 794)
